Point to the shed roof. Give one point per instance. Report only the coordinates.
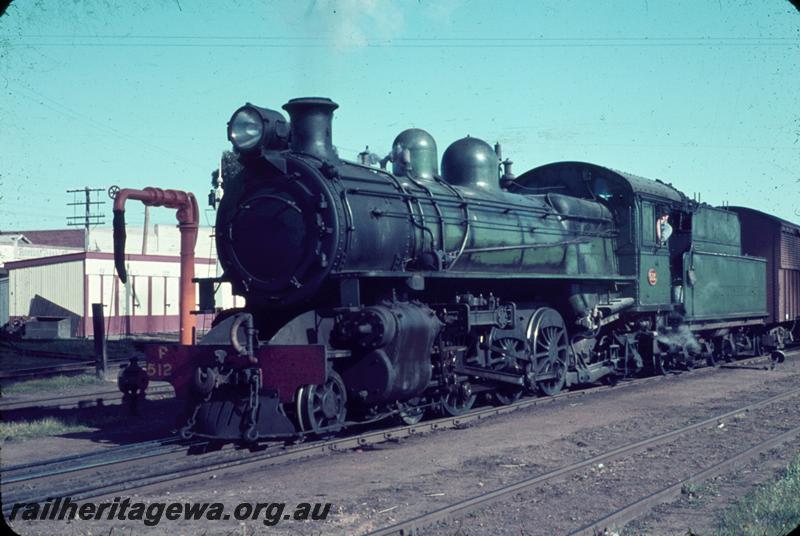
(71, 257)
(13, 238)
(70, 238)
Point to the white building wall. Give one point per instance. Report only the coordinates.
(3, 300)
(152, 283)
(61, 284)
(162, 240)
(152, 289)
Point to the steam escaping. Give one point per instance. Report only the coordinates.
(678, 338)
(354, 23)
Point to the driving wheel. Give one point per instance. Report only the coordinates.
(547, 336)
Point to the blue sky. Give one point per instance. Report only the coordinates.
(703, 94)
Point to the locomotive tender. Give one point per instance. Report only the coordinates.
(373, 293)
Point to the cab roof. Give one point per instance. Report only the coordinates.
(582, 179)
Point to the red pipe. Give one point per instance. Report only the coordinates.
(188, 215)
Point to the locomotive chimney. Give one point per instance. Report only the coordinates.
(311, 119)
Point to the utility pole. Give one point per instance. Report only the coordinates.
(90, 216)
(146, 228)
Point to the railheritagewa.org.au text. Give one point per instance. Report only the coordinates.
(151, 514)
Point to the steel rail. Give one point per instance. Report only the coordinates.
(38, 352)
(90, 460)
(459, 509)
(79, 400)
(52, 370)
(52, 461)
(282, 453)
(642, 506)
(22, 374)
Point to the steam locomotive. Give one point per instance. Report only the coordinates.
(374, 294)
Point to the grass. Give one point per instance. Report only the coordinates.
(48, 385)
(48, 426)
(771, 510)
(51, 426)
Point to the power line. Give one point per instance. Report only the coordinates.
(72, 114)
(319, 41)
(435, 39)
(411, 46)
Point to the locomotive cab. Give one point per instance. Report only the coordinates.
(636, 204)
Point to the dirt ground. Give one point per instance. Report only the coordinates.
(118, 426)
(698, 510)
(374, 487)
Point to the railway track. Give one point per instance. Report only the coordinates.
(75, 362)
(637, 508)
(79, 477)
(78, 462)
(54, 370)
(38, 352)
(462, 508)
(81, 400)
(160, 391)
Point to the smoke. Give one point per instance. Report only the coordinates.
(354, 23)
(678, 338)
(329, 33)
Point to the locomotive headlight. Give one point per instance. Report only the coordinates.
(246, 128)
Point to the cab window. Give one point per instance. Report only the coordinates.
(648, 223)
